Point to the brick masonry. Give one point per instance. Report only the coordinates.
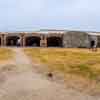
(70, 39)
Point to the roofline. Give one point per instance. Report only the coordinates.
(49, 30)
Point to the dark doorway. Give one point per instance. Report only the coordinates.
(12, 41)
(54, 42)
(33, 41)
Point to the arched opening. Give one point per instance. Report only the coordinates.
(54, 41)
(13, 41)
(33, 41)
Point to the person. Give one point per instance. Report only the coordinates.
(93, 45)
(18, 42)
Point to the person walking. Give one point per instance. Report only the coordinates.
(93, 45)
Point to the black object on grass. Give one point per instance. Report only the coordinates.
(50, 75)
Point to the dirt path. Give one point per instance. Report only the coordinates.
(29, 85)
(21, 60)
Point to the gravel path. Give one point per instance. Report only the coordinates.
(30, 85)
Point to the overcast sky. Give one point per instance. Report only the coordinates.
(22, 15)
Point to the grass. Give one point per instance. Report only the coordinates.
(5, 54)
(68, 61)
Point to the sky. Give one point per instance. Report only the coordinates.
(29, 15)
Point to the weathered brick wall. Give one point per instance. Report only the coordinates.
(70, 39)
(76, 39)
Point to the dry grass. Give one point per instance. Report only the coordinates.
(68, 61)
(5, 54)
(78, 68)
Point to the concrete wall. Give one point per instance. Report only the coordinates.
(75, 39)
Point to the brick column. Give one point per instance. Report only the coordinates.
(43, 41)
(4, 40)
(22, 40)
(24, 43)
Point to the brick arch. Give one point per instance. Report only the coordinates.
(13, 40)
(33, 41)
(54, 41)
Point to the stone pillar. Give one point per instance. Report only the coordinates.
(43, 41)
(4, 40)
(24, 43)
(21, 39)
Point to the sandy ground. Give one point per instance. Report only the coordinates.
(28, 85)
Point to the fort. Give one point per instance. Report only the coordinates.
(50, 38)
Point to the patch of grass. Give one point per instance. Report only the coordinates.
(68, 61)
(83, 70)
(5, 54)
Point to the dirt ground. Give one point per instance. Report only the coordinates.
(19, 81)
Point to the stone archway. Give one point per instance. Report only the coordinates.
(33, 41)
(54, 41)
(12, 41)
